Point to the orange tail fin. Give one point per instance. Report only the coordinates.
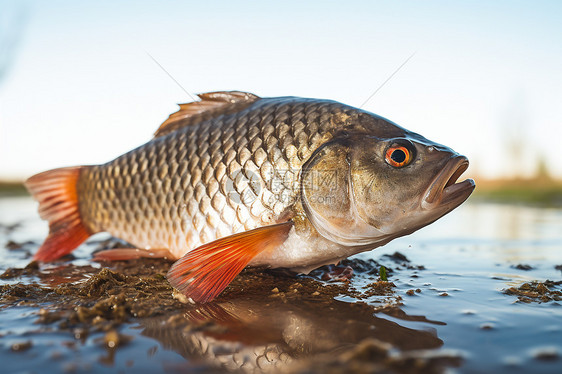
(204, 272)
(55, 190)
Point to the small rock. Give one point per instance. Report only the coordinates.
(523, 267)
(113, 339)
(541, 289)
(21, 346)
(398, 257)
(444, 294)
(12, 245)
(181, 297)
(56, 355)
(80, 334)
(546, 354)
(275, 290)
(410, 293)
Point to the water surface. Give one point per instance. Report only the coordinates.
(459, 266)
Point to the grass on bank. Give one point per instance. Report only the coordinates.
(9, 188)
(536, 191)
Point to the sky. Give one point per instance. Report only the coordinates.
(78, 84)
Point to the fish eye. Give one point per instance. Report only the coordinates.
(398, 155)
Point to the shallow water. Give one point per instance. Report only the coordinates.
(461, 313)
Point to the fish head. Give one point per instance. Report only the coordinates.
(364, 190)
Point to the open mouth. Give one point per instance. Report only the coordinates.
(445, 189)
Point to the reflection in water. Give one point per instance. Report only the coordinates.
(267, 335)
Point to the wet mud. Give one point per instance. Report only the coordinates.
(265, 321)
(540, 292)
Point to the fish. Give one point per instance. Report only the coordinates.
(234, 180)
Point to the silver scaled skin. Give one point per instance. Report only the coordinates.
(254, 162)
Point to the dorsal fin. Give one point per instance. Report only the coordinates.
(212, 104)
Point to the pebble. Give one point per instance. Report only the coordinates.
(546, 354)
(111, 339)
(523, 267)
(21, 346)
(180, 297)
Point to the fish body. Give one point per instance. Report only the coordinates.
(236, 180)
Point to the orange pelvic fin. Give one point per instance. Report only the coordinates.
(55, 190)
(205, 272)
(117, 254)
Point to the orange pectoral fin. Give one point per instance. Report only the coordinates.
(205, 272)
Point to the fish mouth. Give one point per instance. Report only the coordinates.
(445, 190)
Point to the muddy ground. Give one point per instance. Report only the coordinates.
(277, 320)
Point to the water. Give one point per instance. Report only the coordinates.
(470, 255)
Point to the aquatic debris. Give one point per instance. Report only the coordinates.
(413, 292)
(403, 261)
(523, 267)
(114, 339)
(397, 257)
(9, 228)
(12, 245)
(96, 309)
(47, 317)
(380, 288)
(358, 266)
(546, 353)
(536, 292)
(337, 273)
(11, 273)
(138, 289)
(21, 346)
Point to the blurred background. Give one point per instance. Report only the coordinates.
(80, 83)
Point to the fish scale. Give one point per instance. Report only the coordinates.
(184, 177)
